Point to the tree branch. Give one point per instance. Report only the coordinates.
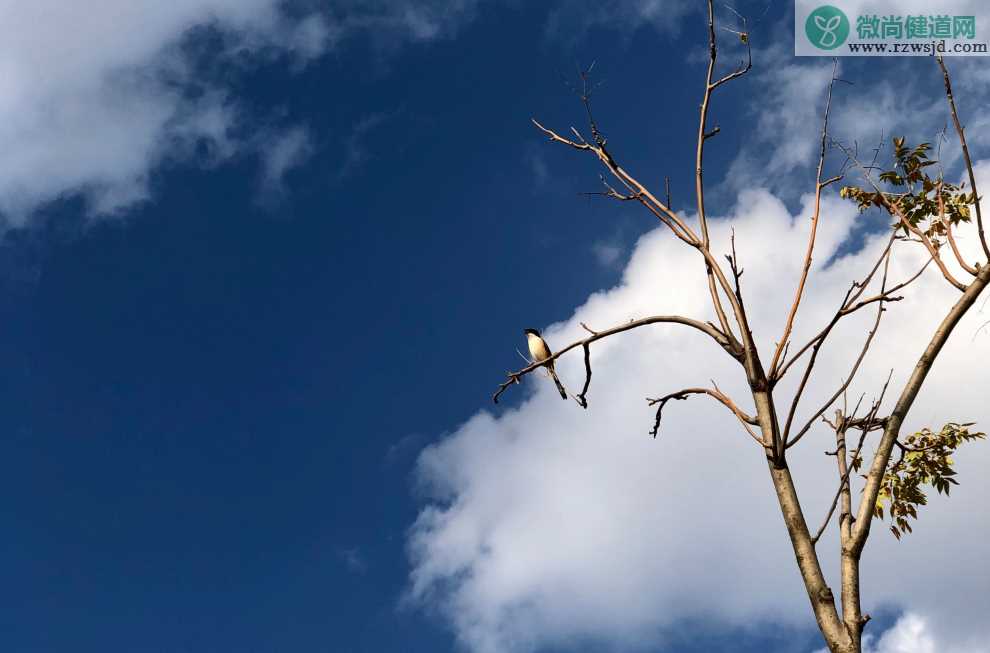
(845, 384)
(806, 267)
(717, 394)
(704, 135)
(960, 132)
(637, 191)
(849, 305)
(895, 210)
(706, 328)
(668, 218)
(865, 426)
(583, 397)
(947, 225)
(864, 514)
(854, 292)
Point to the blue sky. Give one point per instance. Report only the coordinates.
(274, 251)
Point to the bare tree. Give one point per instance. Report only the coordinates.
(927, 211)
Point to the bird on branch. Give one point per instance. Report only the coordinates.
(539, 350)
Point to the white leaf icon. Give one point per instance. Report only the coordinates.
(828, 27)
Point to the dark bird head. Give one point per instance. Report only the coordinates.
(533, 332)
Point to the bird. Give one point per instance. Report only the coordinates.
(539, 350)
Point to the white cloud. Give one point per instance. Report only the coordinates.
(282, 152)
(889, 97)
(94, 95)
(606, 253)
(539, 172)
(356, 150)
(353, 560)
(788, 124)
(909, 635)
(913, 634)
(571, 20)
(546, 525)
(393, 23)
(404, 449)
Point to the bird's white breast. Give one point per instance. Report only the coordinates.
(537, 348)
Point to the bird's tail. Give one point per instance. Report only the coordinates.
(560, 386)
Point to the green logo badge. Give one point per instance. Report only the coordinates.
(827, 27)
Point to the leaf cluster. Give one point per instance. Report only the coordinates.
(917, 195)
(926, 459)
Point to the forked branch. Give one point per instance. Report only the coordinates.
(806, 266)
(864, 425)
(852, 374)
(905, 401)
(895, 210)
(849, 305)
(704, 327)
(745, 419)
(703, 135)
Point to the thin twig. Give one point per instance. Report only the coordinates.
(706, 328)
(966, 157)
(806, 267)
(704, 135)
(865, 426)
(717, 394)
(896, 211)
(852, 373)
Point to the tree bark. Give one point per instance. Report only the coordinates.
(910, 392)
